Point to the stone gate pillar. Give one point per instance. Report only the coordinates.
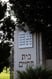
(27, 50)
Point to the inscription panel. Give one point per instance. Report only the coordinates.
(26, 60)
(24, 39)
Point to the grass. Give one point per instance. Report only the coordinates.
(4, 74)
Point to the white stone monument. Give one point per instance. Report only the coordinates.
(27, 50)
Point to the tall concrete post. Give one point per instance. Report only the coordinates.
(27, 50)
(39, 61)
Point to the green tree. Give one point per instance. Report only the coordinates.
(4, 54)
(37, 14)
(6, 25)
(2, 10)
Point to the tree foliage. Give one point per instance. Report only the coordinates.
(4, 54)
(7, 25)
(8, 28)
(35, 73)
(2, 10)
(37, 14)
(4, 46)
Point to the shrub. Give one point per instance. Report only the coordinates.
(35, 73)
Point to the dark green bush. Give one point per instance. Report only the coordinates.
(35, 73)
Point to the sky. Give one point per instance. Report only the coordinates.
(5, 0)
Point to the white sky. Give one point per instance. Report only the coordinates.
(12, 16)
(4, 0)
